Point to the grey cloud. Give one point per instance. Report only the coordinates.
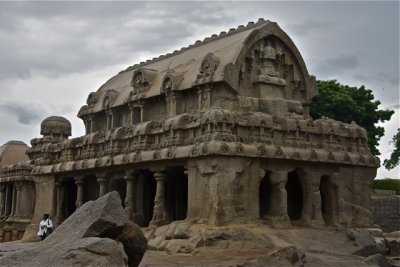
(338, 64)
(26, 113)
(381, 77)
(30, 113)
(311, 26)
(53, 38)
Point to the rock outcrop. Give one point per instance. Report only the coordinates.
(97, 234)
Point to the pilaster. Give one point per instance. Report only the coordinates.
(160, 213)
(131, 180)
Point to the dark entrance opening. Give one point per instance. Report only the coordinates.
(147, 184)
(328, 204)
(119, 185)
(91, 188)
(176, 194)
(9, 195)
(69, 197)
(264, 196)
(294, 196)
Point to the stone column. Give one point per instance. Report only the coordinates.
(311, 214)
(13, 199)
(130, 178)
(160, 212)
(79, 181)
(60, 201)
(102, 180)
(2, 199)
(141, 113)
(18, 188)
(173, 104)
(8, 201)
(200, 99)
(14, 235)
(278, 216)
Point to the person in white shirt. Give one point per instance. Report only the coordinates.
(45, 227)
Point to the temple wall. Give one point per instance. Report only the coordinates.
(227, 186)
(45, 203)
(386, 210)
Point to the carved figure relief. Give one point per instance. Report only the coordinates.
(208, 66)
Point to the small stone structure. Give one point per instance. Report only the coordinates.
(218, 131)
(17, 190)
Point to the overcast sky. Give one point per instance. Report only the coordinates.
(52, 54)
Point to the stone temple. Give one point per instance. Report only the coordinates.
(218, 131)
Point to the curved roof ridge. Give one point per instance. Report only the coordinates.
(206, 40)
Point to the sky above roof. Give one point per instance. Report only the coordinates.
(53, 54)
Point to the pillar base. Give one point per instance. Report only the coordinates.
(159, 219)
(280, 221)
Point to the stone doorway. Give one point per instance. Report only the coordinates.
(91, 188)
(264, 196)
(176, 194)
(147, 184)
(294, 197)
(70, 197)
(328, 200)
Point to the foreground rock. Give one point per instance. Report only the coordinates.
(365, 243)
(97, 234)
(393, 243)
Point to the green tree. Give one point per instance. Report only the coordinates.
(394, 159)
(345, 103)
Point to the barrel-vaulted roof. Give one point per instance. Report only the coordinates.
(227, 47)
(13, 152)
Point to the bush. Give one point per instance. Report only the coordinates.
(387, 184)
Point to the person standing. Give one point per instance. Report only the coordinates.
(45, 227)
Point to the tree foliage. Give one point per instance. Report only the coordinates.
(387, 184)
(394, 159)
(345, 103)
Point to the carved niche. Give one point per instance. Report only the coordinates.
(169, 84)
(207, 68)
(274, 70)
(142, 80)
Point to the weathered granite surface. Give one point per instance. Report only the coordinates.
(97, 234)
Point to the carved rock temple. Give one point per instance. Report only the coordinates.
(218, 131)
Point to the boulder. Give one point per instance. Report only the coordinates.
(364, 241)
(394, 247)
(97, 234)
(378, 260)
(134, 242)
(104, 217)
(392, 241)
(91, 251)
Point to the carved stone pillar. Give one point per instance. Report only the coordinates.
(79, 181)
(311, 214)
(200, 99)
(2, 199)
(14, 235)
(131, 114)
(102, 180)
(160, 212)
(18, 188)
(8, 201)
(60, 201)
(278, 216)
(13, 199)
(130, 178)
(141, 112)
